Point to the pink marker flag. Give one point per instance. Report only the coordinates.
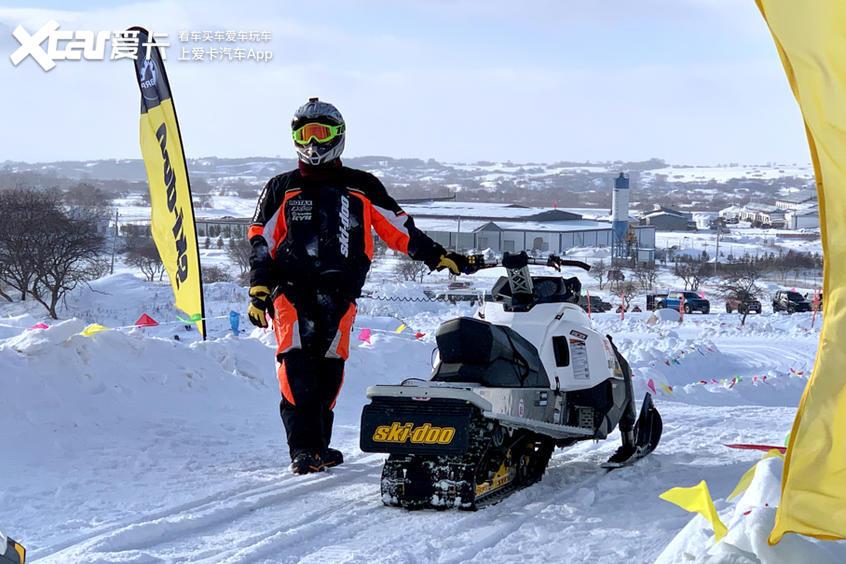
(40, 326)
(364, 335)
(651, 385)
(419, 335)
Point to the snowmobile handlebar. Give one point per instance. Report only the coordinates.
(514, 261)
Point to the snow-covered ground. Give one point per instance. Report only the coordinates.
(132, 446)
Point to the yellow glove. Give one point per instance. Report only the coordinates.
(454, 262)
(259, 304)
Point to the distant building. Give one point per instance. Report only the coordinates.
(807, 218)
(797, 200)
(762, 214)
(668, 219)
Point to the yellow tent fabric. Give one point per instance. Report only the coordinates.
(811, 40)
(93, 329)
(697, 499)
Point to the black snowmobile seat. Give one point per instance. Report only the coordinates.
(478, 352)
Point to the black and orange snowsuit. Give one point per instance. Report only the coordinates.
(312, 245)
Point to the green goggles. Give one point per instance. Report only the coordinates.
(319, 132)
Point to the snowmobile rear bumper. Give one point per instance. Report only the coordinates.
(424, 426)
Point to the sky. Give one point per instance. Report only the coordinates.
(689, 81)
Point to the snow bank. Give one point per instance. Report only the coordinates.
(750, 520)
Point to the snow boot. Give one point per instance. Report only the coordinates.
(307, 463)
(332, 457)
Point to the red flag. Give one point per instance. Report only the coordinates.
(146, 321)
(765, 448)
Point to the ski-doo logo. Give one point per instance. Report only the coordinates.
(178, 231)
(402, 433)
(344, 234)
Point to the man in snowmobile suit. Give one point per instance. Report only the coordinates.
(312, 245)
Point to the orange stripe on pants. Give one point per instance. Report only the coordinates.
(285, 325)
(344, 328)
(284, 384)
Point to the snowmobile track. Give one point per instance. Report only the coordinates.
(210, 512)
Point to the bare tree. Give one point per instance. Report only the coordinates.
(693, 272)
(599, 270)
(20, 242)
(143, 254)
(84, 195)
(410, 270)
(740, 282)
(627, 291)
(70, 255)
(215, 273)
(646, 274)
(3, 291)
(239, 251)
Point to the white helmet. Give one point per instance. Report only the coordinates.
(317, 145)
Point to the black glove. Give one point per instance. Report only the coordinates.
(454, 262)
(259, 304)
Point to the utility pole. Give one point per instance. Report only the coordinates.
(717, 255)
(114, 242)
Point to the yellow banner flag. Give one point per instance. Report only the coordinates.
(172, 210)
(697, 499)
(93, 329)
(811, 41)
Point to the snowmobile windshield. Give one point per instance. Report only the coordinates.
(322, 133)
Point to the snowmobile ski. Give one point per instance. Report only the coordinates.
(647, 433)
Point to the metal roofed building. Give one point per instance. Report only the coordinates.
(797, 200)
(508, 227)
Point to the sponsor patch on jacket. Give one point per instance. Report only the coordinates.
(578, 335)
(300, 210)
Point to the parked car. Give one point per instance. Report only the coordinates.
(692, 302)
(790, 301)
(743, 305)
(596, 304)
(653, 299)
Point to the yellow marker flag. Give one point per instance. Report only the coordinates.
(811, 42)
(171, 207)
(746, 479)
(400, 329)
(697, 499)
(93, 329)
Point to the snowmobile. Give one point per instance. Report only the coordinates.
(527, 373)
